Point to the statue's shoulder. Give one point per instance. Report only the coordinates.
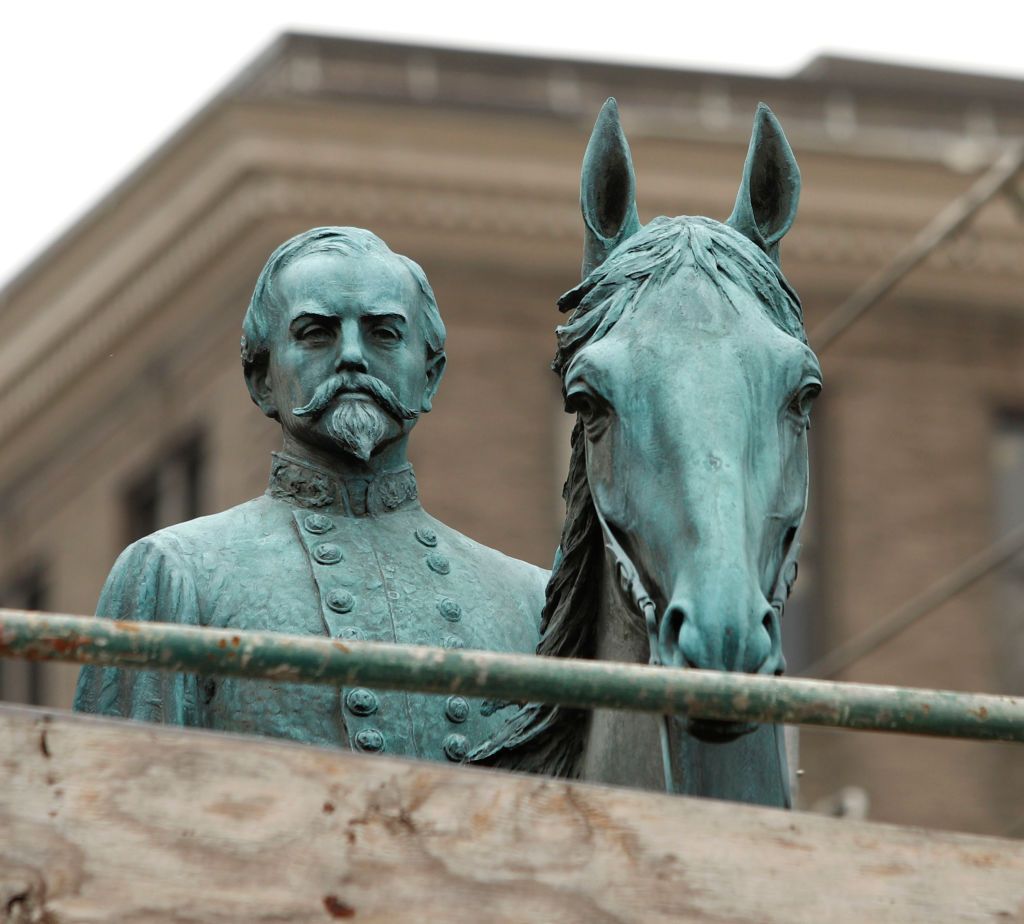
(161, 575)
(236, 528)
(207, 564)
(491, 566)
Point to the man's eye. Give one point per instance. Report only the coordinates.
(386, 333)
(314, 332)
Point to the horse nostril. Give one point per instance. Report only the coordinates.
(670, 633)
(770, 653)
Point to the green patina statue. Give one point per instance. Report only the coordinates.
(343, 345)
(685, 362)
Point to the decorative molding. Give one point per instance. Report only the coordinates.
(833, 104)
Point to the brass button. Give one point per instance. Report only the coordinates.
(427, 536)
(361, 701)
(317, 524)
(456, 709)
(452, 641)
(437, 563)
(370, 740)
(456, 747)
(351, 633)
(450, 610)
(327, 553)
(341, 601)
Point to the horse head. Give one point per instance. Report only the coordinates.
(686, 363)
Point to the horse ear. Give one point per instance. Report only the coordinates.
(770, 189)
(607, 189)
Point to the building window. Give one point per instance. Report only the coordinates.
(1008, 501)
(168, 491)
(22, 681)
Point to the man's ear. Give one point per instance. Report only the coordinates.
(257, 380)
(435, 369)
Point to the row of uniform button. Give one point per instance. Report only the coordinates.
(318, 524)
(328, 553)
(364, 703)
(341, 601)
(361, 701)
(451, 611)
(371, 741)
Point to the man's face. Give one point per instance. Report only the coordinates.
(342, 322)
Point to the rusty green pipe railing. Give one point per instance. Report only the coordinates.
(583, 684)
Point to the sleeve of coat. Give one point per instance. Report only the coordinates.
(149, 582)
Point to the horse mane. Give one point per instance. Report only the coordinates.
(543, 738)
(549, 739)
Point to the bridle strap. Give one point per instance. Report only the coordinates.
(786, 576)
(638, 600)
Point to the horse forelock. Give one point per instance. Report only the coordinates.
(657, 253)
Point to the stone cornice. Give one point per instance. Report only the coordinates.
(833, 105)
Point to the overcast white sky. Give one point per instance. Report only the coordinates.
(90, 88)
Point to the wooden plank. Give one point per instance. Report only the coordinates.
(112, 821)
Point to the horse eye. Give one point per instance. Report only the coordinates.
(580, 403)
(592, 410)
(800, 403)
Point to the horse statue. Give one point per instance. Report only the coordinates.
(686, 364)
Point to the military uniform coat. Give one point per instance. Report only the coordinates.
(352, 559)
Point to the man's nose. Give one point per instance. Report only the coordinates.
(350, 352)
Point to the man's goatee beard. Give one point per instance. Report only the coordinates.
(358, 426)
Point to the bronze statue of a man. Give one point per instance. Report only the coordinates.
(344, 346)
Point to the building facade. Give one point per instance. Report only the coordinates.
(122, 405)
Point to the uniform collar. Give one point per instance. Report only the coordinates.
(305, 485)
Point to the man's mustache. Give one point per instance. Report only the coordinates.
(355, 382)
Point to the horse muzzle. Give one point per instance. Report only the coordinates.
(716, 641)
(750, 644)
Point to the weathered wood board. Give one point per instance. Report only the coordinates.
(114, 821)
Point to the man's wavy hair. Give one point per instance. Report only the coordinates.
(349, 242)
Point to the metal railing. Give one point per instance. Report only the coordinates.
(522, 678)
